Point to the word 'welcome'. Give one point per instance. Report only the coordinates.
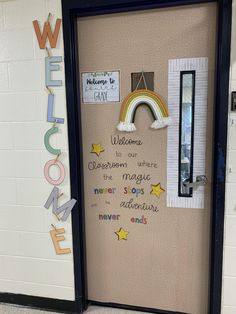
(52, 65)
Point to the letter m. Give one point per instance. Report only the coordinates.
(47, 32)
(66, 208)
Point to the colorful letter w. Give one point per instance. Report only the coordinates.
(47, 32)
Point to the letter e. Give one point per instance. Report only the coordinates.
(49, 67)
(55, 239)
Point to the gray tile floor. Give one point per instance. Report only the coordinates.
(10, 309)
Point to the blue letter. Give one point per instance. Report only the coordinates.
(49, 66)
(50, 117)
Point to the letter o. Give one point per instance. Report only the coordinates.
(47, 175)
(133, 190)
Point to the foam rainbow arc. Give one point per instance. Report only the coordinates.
(143, 97)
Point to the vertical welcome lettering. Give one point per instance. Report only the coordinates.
(51, 64)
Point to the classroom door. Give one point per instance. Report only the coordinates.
(148, 192)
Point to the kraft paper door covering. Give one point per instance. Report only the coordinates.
(151, 255)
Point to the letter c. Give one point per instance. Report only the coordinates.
(48, 145)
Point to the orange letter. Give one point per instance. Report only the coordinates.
(55, 239)
(47, 32)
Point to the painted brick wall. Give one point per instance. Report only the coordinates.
(229, 270)
(28, 263)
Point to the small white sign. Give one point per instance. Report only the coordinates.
(101, 87)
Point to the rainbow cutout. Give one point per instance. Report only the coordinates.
(145, 97)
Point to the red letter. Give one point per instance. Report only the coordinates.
(47, 32)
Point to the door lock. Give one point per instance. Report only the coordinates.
(200, 181)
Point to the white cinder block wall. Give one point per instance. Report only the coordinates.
(28, 263)
(229, 270)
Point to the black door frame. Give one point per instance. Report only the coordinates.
(72, 9)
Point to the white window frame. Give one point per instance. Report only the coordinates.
(200, 66)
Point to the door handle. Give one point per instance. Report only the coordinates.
(200, 181)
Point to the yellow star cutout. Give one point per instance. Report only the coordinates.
(122, 234)
(97, 149)
(157, 189)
